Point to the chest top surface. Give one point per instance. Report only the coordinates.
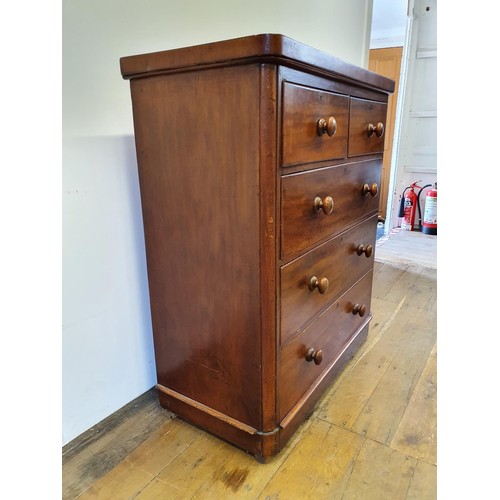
(263, 48)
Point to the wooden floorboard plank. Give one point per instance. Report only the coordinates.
(381, 311)
(212, 468)
(185, 474)
(423, 484)
(385, 277)
(155, 454)
(145, 462)
(417, 432)
(406, 281)
(318, 467)
(428, 279)
(123, 481)
(421, 294)
(350, 396)
(382, 315)
(386, 406)
(411, 247)
(379, 473)
(372, 396)
(93, 454)
(345, 404)
(237, 475)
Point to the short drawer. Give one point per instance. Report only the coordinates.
(302, 361)
(314, 280)
(320, 203)
(314, 126)
(367, 121)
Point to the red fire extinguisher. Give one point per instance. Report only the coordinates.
(429, 223)
(408, 207)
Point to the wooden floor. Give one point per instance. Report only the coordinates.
(408, 247)
(372, 436)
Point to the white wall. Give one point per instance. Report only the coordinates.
(388, 23)
(107, 345)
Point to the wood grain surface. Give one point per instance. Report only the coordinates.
(361, 114)
(302, 225)
(338, 261)
(199, 189)
(302, 108)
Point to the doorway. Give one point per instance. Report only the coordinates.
(387, 62)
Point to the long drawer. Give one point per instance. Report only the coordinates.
(305, 358)
(322, 202)
(311, 282)
(314, 126)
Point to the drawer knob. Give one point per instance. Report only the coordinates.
(314, 355)
(326, 204)
(373, 189)
(378, 129)
(359, 309)
(368, 250)
(328, 126)
(322, 284)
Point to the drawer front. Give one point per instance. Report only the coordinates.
(304, 222)
(340, 261)
(305, 138)
(328, 334)
(367, 120)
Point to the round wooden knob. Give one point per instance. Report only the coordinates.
(325, 204)
(328, 126)
(373, 189)
(368, 250)
(322, 284)
(378, 129)
(359, 309)
(314, 355)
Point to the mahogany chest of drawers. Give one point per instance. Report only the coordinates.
(259, 163)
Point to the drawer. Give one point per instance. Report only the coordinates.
(367, 121)
(305, 137)
(304, 222)
(335, 264)
(326, 337)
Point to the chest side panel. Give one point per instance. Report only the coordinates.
(198, 154)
